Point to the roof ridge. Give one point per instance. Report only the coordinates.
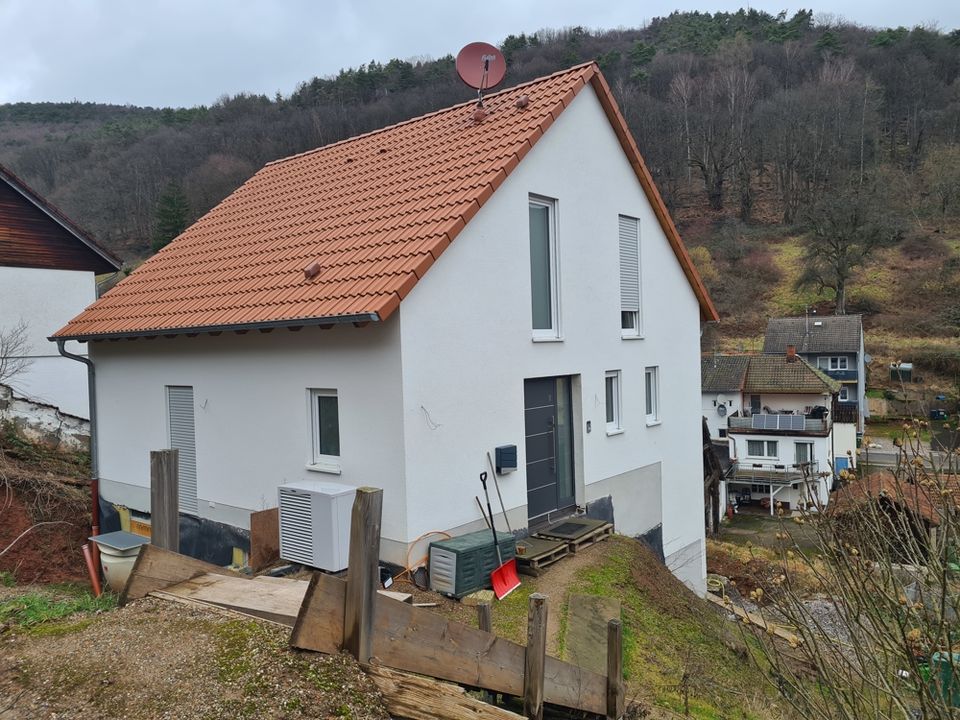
(432, 113)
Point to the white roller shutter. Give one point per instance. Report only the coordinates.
(629, 264)
(182, 437)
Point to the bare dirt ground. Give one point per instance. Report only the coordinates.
(155, 659)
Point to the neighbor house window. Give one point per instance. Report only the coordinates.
(803, 453)
(325, 423)
(844, 395)
(762, 448)
(544, 293)
(754, 404)
(652, 391)
(832, 363)
(629, 277)
(613, 402)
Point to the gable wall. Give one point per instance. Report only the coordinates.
(30, 238)
(467, 347)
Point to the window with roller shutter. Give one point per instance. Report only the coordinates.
(181, 428)
(629, 277)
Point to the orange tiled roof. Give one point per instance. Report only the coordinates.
(374, 211)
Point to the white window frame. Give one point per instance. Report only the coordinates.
(651, 390)
(614, 425)
(766, 448)
(833, 362)
(635, 330)
(844, 394)
(320, 462)
(810, 449)
(553, 333)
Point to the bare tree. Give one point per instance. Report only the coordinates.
(885, 561)
(14, 351)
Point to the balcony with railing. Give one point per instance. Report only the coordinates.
(745, 471)
(779, 424)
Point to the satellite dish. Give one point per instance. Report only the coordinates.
(481, 66)
(721, 399)
(722, 410)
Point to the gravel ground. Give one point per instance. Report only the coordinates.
(156, 659)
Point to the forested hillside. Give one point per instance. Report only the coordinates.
(808, 162)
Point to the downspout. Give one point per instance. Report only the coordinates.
(94, 463)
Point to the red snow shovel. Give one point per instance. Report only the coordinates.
(504, 578)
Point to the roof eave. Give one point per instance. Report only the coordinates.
(361, 318)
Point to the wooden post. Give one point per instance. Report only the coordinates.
(485, 617)
(615, 693)
(363, 574)
(165, 499)
(535, 657)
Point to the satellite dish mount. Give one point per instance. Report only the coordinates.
(481, 66)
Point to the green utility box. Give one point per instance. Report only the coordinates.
(944, 680)
(462, 565)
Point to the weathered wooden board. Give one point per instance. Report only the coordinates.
(755, 619)
(277, 601)
(587, 618)
(264, 538)
(319, 623)
(158, 569)
(417, 640)
(420, 698)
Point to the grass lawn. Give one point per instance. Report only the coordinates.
(678, 650)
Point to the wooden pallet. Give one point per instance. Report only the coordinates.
(591, 535)
(535, 554)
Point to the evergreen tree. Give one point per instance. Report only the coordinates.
(170, 216)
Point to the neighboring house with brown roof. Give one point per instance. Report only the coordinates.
(387, 310)
(883, 507)
(776, 413)
(48, 269)
(832, 343)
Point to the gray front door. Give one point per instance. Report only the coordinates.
(549, 446)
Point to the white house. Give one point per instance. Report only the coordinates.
(48, 269)
(777, 419)
(300, 331)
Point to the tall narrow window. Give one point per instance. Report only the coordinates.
(629, 277)
(652, 388)
(612, 401)
(325, 419)
(544, 293)
(182, 437)
(803, 453)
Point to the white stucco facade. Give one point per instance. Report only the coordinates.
(425, 395)
(46, 300)
(709, 403)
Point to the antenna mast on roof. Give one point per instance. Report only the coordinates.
(481, 66)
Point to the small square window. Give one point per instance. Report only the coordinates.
(652, 390)
(325, 423)
(844, 395)
(613, 400)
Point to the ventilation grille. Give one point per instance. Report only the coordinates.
(443, 571)
(296, 527)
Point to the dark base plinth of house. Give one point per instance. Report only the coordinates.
(200, 538)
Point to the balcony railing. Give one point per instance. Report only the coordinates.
(761, 423)
(773, 473)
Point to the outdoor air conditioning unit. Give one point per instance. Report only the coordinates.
(315, 523)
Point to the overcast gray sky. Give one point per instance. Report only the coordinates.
(190, 52)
